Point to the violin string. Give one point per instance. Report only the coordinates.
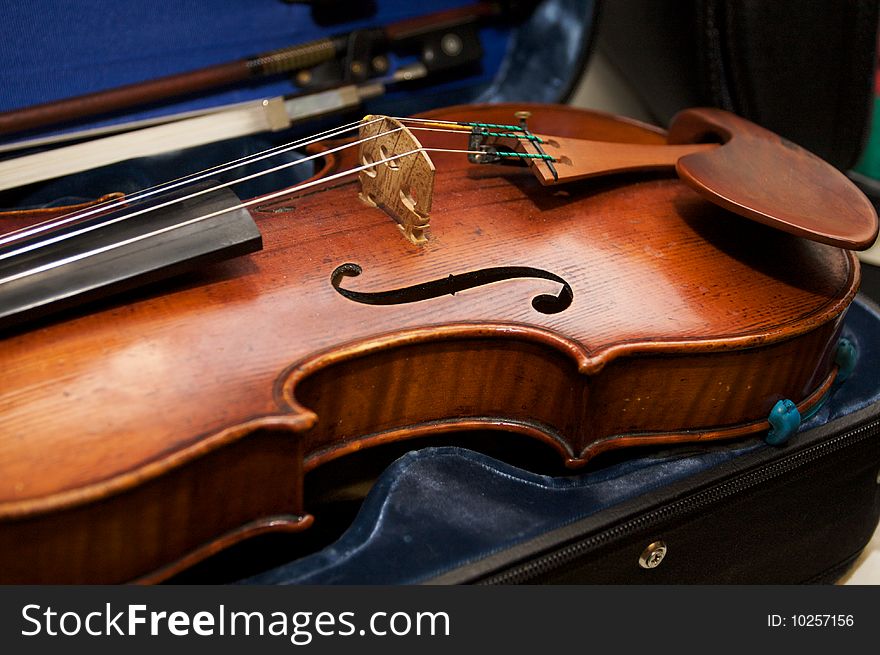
(58, 221)
(461, 126)
(249, 203)
(413, 119)
(521, 137)
(67, 235)
(61, 237)
(449, 125)
(191, 178)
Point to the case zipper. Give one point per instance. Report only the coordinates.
(523, 573)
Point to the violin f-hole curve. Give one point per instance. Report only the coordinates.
(545, 303)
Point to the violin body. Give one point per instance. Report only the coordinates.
(143, 434)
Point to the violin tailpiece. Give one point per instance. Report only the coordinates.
(400, 175)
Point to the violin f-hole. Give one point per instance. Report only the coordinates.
(545, 303)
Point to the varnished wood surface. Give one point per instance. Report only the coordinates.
(579, 159)
(686, 320)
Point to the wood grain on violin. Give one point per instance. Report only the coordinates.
(143, 434)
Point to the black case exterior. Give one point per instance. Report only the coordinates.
(782, 517)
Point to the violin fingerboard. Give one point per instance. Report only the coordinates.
(87, 265)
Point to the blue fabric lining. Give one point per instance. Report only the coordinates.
(439, 508)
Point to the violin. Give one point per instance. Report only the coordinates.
(584, 280)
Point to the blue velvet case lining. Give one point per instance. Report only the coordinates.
(52, 50)
(437, 509)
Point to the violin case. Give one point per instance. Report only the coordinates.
(738, 512)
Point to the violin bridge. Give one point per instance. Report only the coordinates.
(399, 177)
